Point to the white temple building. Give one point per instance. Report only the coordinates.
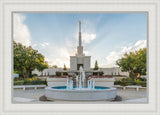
(80, 60)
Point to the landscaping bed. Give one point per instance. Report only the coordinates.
(130, 81)
(29, 81)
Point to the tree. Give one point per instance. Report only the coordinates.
(19, 58)
(140, 61)
(26, 59)
(55, 66)
(64, 68)
(96, 65)
(134, 62)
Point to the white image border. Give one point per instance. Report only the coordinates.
(149, 6)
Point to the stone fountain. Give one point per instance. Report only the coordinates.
(80, 91)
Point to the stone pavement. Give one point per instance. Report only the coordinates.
(32, 96)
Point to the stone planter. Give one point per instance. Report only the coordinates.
(56, 82)
(106, 82)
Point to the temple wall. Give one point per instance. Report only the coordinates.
(80, 60)
(107, 71)
(73, 63)
(87, 63)
(114, 71)
(105, 82)
(52, 82)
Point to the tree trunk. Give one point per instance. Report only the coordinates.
(23, 73)
(133, 75)
(28, 73)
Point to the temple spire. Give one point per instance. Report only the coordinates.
(79, 26)
(80, 41)
(80, 47)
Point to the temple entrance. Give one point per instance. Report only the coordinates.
(79, 65)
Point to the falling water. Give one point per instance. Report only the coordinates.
(69, 84)
(77, 81)
(80, 81)
(91, 84)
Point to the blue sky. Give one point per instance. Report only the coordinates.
(105, 36)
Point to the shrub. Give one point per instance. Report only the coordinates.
(138, 82)
(65, 73)
(141, 79)
(38, 81)
(18, 79)
(45, 82)
(58, 74)
(130, 81)
(123, 82)
(95, 73)
(143, 84)
(117, 82)
(33, 75)
(18, 82)
(31, 81)
(101, 73)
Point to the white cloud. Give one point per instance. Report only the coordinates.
(34, 45)
(114, 56)
(60, 55)
(86, 52)
(44, 44)
(87, 38)
(21, 32)
(57, 54)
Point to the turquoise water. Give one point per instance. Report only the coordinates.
(96, 87)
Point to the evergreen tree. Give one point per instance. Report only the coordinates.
(96, 65)
(64, 67)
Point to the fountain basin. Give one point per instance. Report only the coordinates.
(84, 94)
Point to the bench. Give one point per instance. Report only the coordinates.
(118, 86)
(130, 86)
(133, 87)
(28, 86)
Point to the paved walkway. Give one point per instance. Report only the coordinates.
(32, 96)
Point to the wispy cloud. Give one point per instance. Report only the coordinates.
(44, 44)
(59, 55)
(87, 38)
(55, 53)
(114, 56)
(21, 32)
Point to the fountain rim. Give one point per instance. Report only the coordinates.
(80, 90)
